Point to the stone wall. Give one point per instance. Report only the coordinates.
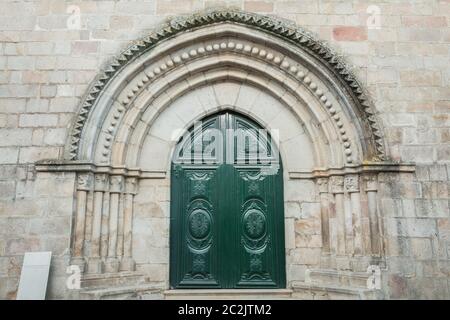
(49, 54)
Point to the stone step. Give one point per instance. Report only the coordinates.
(337, 278)
(227, 294)
(310, 291)
(135, 292)
(108, 280)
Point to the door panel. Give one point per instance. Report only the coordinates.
(259, 240)
(227, 219)
(194, 216)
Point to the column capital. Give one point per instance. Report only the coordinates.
(371, 182)
(116, 184)
(322, 184)
(84, 181)
(351, 183)
(101, 182)
(336, 184)
(131, 185)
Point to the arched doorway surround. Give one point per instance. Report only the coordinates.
(276, 73)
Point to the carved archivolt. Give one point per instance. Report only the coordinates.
(273, 42)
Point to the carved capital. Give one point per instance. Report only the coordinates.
(116, 184)
(131, 185)
(101, 182)
(351, 183)
(84, 181)
(371, 182)
(322, 184)
(337, 184)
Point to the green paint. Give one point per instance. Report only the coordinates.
(227, 219)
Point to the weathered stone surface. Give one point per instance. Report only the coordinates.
(404, 66)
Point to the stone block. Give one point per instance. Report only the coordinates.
(410, 227)
(345, 33)
(37, 105)
(38, 120)
(55, 136)
(438, 173)
(121, 22)
(290, 237)
(308, 240)
(398, 246)
(14, 105)
(432, 208)
(53, 226)
(292, 209)
(7, 189)
(48, 91)
(421, 248)
(392, 207)
(292, 7)
(33, 154)
(39, 48)
(81, 48)
(398, 286)
(20, 63)
(9, 155)
(21, 245)
(306, 256)
(258, 6)
(13, 226)
(424, 21)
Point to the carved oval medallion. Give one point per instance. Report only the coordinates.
(254, 224)
(199, 224)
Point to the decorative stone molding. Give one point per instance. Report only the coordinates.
(101, 182)
(86, 170)
(131, 185)
(84, 182)
(351, 183)
(285, 64)
(117, 184)
(337, 184)
(371, 182)
(367, 169)
(288, 32)
(322, 184)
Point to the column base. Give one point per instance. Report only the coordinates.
(112, 265)
(343, 263)
(80, 262)
(95, 265)
(325, 261)
(127, 264)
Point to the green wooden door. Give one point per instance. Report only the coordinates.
(227, 216)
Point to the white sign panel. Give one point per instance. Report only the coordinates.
(34, 276)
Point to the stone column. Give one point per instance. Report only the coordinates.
(354, 220)
(116, 187)
(119, 247)
(127, 263)
(95, 264)
(105, 224)
(84, 183)
(375, 233)
(337, 189)
(325, 220)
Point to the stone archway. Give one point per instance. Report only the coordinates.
(124, 135)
